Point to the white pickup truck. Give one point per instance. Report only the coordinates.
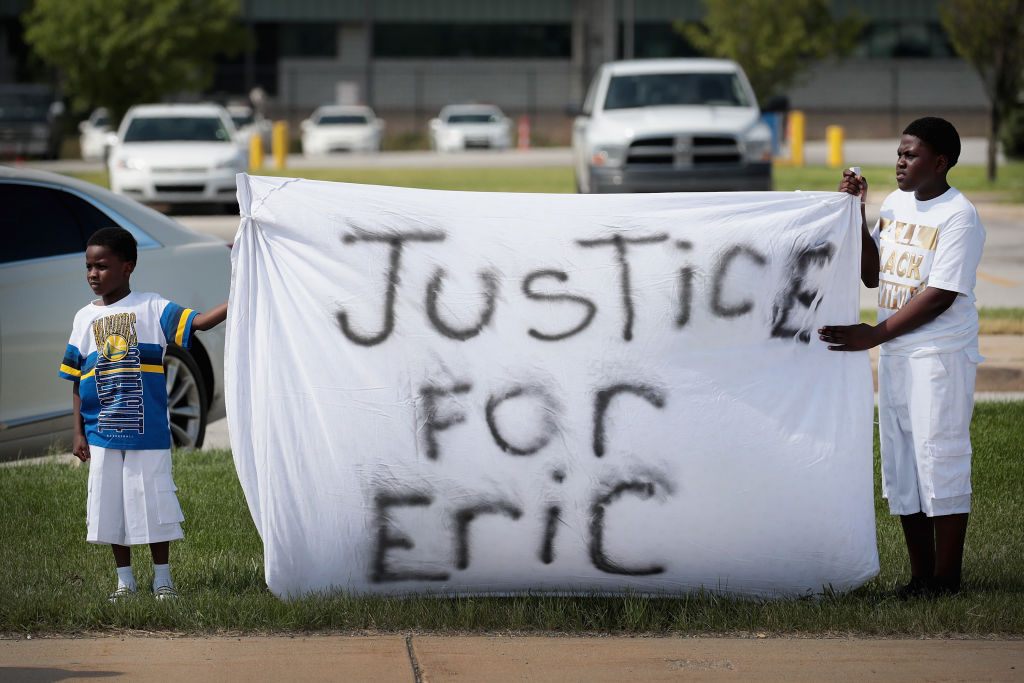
(671, 125)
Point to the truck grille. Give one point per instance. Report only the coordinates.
(683, 151)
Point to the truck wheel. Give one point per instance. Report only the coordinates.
(186, 398)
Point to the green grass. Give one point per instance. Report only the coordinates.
(971, 179)
(53, 581)
(990, 320)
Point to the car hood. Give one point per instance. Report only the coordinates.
(621, 124)
(177, 153)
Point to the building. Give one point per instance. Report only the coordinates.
(408, 58)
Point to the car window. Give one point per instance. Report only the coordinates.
(341, 119)
(176, 128)
(650, 90)
(39, 221)
(100, 121)
(242, 120)
(473, 118)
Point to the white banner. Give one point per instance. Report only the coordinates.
(462, 392)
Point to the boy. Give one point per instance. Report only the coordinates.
(115, 359)
(923, 255)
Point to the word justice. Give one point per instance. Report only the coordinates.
(795, 292)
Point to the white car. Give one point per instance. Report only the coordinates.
(94, 140)
(671, 125)
(46, 221)
(462, 126)
(248, 123)
(176, 153)
(341, 128)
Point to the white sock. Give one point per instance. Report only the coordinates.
(162, 576)
(125, 578)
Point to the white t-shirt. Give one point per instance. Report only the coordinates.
(935, 243)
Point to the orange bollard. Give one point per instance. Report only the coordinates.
(524, 133)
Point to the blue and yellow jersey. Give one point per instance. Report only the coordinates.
(116, 353)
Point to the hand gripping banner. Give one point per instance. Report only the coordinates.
(482, 393)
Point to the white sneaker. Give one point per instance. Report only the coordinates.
(122, 593)
(165, 593)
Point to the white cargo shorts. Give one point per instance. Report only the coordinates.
(132, 497)
(924, 418)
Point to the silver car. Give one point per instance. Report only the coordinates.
(46, 221)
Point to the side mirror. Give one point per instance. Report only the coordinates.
(110, 139)
(573, 110)
(776, 103)
(305, 124)
(434, 123)
(82, 125)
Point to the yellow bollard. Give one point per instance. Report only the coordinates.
(279, 143)
(797, 124)
(834, 137)
(255, 151)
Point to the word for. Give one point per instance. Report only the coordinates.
(798, 291)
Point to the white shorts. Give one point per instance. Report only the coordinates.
(131, 497)
(924, 420)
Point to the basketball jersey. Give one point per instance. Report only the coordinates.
(116, 353)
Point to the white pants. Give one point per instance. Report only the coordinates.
(131, 497)
(924, 419)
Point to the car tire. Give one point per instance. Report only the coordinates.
(186, 398)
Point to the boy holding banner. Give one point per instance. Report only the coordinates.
(923, 255)
(115, 359)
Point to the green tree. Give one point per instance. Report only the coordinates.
(775, 42)
(116, 53)
(989, 34)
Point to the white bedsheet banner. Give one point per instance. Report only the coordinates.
(456, 392)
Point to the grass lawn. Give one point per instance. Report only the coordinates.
(1009, 187)
(53, 581)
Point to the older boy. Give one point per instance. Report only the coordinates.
(923, 255)
(115, 359)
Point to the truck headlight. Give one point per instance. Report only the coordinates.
(608, 155)
(759, 150)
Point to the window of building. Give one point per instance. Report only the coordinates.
(893, 39)
(308, 40)
(472, 40)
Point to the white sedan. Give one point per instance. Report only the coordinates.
(462, 126)
(95, 136)
(341, 128)
(177, 153)
(42, 285)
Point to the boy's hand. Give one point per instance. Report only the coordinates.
(859, 337)
(854, 184)
(80, 448)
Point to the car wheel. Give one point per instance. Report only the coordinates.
(186, 398)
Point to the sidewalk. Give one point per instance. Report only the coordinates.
(505, 658)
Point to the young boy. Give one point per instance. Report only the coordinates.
(115, 359)
(923, 255)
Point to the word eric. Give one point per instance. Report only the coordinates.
(439, 417)
(798, 291)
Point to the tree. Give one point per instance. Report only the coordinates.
(775, 42)
(989, 34)
(116, 53)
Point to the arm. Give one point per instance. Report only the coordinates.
(213, 317)
(857, 186)
(921, 309)
(80, 447)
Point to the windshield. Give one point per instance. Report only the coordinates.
(23, 108)
(342, 119)
(473, 118)
(649, 90)
(177, 128)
